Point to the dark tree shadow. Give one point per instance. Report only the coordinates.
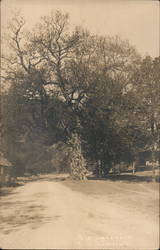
(16, 214)
(125, 177)
(49, 177)
(5, 191)
(52, 178)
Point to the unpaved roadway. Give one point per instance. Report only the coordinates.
(46, 214)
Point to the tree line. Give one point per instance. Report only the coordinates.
(63, 85)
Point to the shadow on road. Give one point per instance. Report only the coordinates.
(22, 213)
(6, 191)
(17, 213)
(49, 177)
(124, 177)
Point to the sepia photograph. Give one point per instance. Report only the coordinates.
(79, 124)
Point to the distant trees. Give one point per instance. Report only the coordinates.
(65, 82)
(147, 87)
(112, 126)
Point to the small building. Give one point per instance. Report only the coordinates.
(6, 169)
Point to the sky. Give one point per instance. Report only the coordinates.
(135, 20)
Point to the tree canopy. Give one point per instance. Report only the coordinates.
(64, 82)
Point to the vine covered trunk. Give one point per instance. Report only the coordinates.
(77, 163)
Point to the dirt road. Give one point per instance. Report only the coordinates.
(47, 214)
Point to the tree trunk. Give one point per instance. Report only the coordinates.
(77, 163)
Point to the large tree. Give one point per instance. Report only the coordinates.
(82, 82)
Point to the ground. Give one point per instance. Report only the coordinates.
(51, 212)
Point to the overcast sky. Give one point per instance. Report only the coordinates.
(135, 20)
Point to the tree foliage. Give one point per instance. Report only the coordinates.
(66, 82)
